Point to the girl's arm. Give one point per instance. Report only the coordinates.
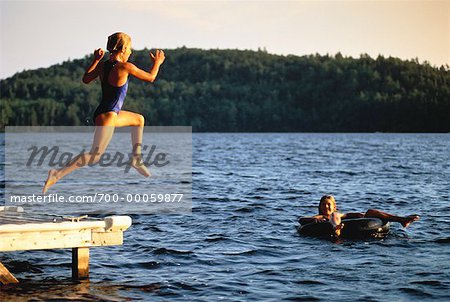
(352, 215)
(150, 76)
(93, 71)
(312, 219)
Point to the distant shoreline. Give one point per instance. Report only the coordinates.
(247, 91)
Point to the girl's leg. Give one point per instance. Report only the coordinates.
(136, 121)
(102, 137)
(405, 221)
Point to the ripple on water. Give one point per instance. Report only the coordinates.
(216, 238)
(416, 292)
(166, 251)
(443, 240)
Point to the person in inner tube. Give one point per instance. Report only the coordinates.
(328, 212)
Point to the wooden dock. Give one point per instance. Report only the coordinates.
(19, 231)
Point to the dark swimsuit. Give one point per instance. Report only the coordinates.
(112, 97)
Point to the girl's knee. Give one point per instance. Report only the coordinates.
(141, 120)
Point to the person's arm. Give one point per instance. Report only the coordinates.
(92, 71)
(312, 219)
(352, 215)
(143, 75)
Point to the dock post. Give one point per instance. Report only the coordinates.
(80, 263)
(5, 276)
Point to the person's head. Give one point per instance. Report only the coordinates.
(327, 205)
(119, 45)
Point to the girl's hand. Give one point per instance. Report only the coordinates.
(98, 54)
(158, 57)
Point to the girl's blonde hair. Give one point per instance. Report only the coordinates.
(118, 42)
(325, 198)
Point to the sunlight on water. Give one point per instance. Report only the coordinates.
(240, 243)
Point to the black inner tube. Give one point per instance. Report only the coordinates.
(356, 228)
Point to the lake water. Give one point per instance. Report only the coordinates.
(240, 243)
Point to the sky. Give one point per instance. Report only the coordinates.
(36, 34)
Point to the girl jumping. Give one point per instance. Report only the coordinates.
(113, 75)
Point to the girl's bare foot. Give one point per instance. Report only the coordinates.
(52, 178)
(409, 219)
(139, 165)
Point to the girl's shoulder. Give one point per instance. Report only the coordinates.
(126, 65)
(128, 68)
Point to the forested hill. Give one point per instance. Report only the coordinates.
(233, 90)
